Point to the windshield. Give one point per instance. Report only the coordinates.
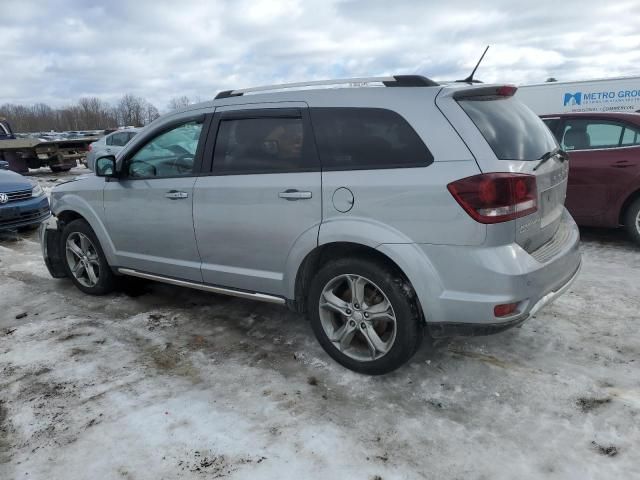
(512, 130)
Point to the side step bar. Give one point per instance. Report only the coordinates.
(262, 297)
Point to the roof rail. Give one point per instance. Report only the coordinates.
(391, 81)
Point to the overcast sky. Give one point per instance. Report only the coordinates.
(58, 51)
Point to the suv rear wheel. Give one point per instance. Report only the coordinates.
(84, 260)
(632, 220)
(364, 316)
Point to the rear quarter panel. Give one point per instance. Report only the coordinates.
(401, 205)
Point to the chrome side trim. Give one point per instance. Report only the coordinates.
(262, 297)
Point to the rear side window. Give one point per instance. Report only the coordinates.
(512, 130)
(366, 138)
(630, 137)
(585, 134)
(119, 139)
(262, 145)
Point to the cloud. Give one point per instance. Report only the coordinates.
(56, 52)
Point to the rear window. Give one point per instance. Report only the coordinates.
(512, 130)
(366, 138)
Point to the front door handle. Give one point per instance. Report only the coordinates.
(292, 194)
(175, 195)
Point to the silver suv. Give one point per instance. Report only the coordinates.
(387, 209)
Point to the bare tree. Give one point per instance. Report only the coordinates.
(151, 113)
(90, 113)
(178, 102)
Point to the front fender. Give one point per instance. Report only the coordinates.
(78, 204)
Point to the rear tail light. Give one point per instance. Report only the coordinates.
(504, 310)
(496, 197)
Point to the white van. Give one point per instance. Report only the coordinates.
(604, 95)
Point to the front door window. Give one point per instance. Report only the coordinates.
(170, 154)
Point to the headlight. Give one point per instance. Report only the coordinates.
(36, 191)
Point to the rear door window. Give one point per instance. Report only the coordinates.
(512, 130)
(264, 144)
(367, 138)
(590, 134)
(118, 139)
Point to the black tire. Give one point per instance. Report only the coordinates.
(106, 280)
(632, 220)
(28, 228)
(58, 169)
(409, 326)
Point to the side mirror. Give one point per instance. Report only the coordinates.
(106, 166)
(4, 165)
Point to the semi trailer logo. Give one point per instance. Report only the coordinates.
(602, 100)
(574, 98)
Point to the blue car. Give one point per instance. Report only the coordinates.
(22, 203)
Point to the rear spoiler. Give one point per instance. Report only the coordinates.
(485, 91)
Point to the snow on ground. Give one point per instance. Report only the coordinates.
(159, 382)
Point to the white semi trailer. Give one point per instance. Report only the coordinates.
(604, 95)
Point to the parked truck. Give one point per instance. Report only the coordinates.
(24, 153)
(620, 94)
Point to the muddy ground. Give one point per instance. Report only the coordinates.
(159, 382)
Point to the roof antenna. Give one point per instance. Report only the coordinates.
(470, 79)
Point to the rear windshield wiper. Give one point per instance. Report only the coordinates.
(562, 156)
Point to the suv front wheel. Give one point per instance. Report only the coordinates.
(84, 260)
(364, 315)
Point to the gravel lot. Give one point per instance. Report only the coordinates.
(159, 382)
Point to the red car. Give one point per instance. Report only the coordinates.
(604, 172)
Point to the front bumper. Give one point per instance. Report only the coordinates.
(52, 248)
(23, 213)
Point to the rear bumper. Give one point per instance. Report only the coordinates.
(475, 329)
(459, 286)
(24, 213)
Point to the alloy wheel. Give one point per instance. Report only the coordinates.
(357, 317)
(82, 259)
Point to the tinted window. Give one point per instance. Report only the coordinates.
(170, 154)
(584, 134)
(366, 138)
(261, 145)
(552, 124)
(630, 137)
(118, 139)
(604, 134)
(512, 130)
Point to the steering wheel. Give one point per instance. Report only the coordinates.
(150, 166)
(183, 163)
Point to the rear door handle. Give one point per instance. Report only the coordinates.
(292, 194)
(175, 195)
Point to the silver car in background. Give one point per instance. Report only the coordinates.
(391, 209)
(110, 144)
